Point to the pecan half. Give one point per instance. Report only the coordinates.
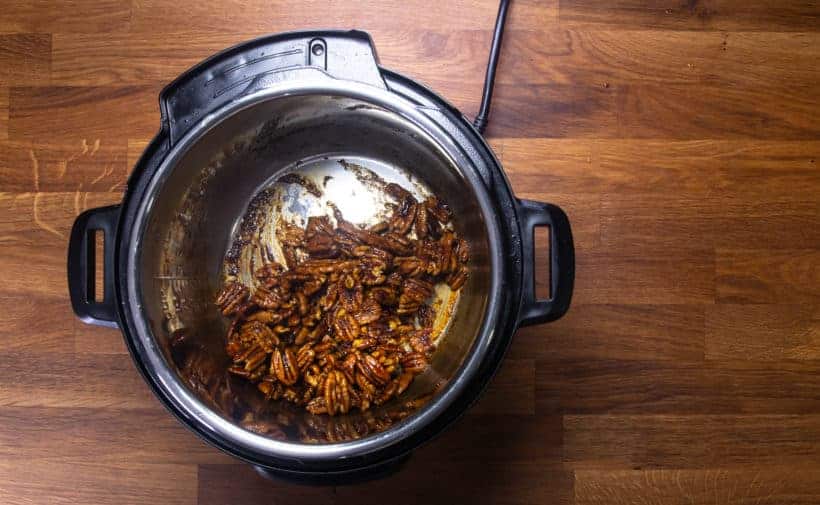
(426, 316)
(232, 296)
(372, 370)
(284, 366)
(337, 397)
(268, 298)
(421, 225)
(305, 356)
(414, 362)
(403, 382)
(438, 209)
(413, 294)
(369, 311)
(457, 279)
(345, 325)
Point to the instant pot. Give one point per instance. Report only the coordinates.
(227, 127)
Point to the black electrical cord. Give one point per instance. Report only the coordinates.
(480, 122)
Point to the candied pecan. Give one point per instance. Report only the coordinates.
(232, 296)
(411, 265)
(372, 275)
(270, 388)
(344, 325)
(349, 281)
(372, 369)
(281, 329)
(374, 253)
(379, 227)
(313, 375)
(369, 311)
(318, 225)
(255, 359)
(446, 253)
(289, 253)
(269, 273)
(403, 220)
(268, 298)
(305, 356)
(457, 279)
(318, 332)
(463, 250)
(421, 225)
(387, 393)
(397, 192)
(234, 348)
(367, 387)
(337, 397)
(388, 242)
(414, 292)
(438, 209)
(265, 316)
(327, 360)
(258, 333)
(290, 234)
(324, 347)
(452, 265)
(313, 284)
(414, 362)
(351, 299)
(404, 381)
(302, 301)
(284, 366)
(364, 403)
(251, 374)
(291, 395)
(399, 240)
(322, 246)
(420, 341)
(317, 406)
(324, 266)
(297, 276)
(302, 334)
(330, 297)
(384, 295)
(361, 344)
(426, 315)
(434, 228)
(348, 366)
(387, 347)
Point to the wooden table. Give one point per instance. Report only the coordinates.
(683, 139)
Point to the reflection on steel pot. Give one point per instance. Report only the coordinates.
(298, 102)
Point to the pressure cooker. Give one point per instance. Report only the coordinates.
(227, 127)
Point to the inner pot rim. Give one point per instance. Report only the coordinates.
(215, 427)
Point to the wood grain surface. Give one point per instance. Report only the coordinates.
(683, 139)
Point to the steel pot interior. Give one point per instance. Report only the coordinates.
(195, 211)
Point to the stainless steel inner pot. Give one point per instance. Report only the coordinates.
(200, 194)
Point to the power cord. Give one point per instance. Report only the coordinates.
(480, 121)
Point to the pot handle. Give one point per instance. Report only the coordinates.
(562, 262)
(307, 56)
(82, 263)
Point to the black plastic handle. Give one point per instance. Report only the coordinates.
(263, 62)
(82, 263)
(562, 262)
